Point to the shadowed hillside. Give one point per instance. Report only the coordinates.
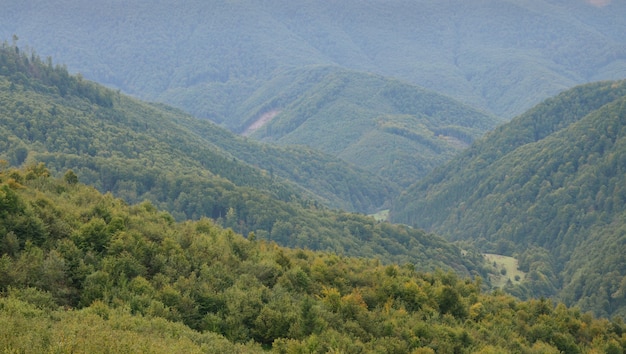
(547, 187)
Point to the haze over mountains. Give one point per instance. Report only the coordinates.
(235, 62)
(195, 169)
(209, 57)
(223, 61)
(392, 129)
(392, 100)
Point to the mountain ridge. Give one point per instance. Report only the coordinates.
(84, 271)
(551, 199)
(392, 129)
(194, 169)
(551, 45)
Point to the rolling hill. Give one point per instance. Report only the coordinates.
(231, 61)
(194, 169)
(389, 128)
(209, 57)
(548, 187)
(42, 106)
(84, 272)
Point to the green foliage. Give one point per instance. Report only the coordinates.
(33, 73)
(147, 283)
(323, 67)
(548, 186)
(119, 150)
(126, 145)
(100, 329)
(150, 152)
(70, 177)
(392, 129)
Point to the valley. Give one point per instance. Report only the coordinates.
(354, 90)
(297, 176)
(537, 188)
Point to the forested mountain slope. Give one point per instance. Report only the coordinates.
(83, 272)
(52, 112)
(390, 128)
(548, 187)
(145, 152)
(208, 57)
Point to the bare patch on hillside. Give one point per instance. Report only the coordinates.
(455, 142)
(260, 122)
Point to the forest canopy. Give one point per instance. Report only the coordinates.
(85, 272)
(547, 188)
(194, 169)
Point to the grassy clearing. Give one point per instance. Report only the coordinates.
(382, 215)
(505, 269)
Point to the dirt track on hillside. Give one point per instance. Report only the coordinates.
(260, 122)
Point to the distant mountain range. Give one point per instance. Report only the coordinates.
(389, 91)
(501, 56)
(333, 65)
(548, 187)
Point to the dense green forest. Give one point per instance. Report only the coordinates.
(548, 188)
(145, 152)
(85, 272)
(395, 130)
(46, 108)
(344, 78)
(193, 255)
(503, 56)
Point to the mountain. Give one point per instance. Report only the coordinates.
(85, 272)
(227, 61)
(389, 128)
(194, 169)
(115, 127)
(502, 56)
(547, 187)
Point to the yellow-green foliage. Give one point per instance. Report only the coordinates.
(100, 329)
(84, 272)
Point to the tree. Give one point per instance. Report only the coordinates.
(70, 177)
